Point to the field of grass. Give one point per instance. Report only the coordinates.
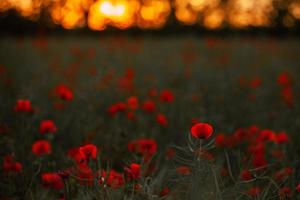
(110, 117)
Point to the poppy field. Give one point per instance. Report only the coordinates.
(149, 117)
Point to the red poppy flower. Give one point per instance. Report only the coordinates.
(253, 130)
(41, 147)
(166, 96)
(85, 174)
(64, 174)
(183, 170)
(220, 140)
(239, 135)
(259, 161)
(133, 103)
(284, 79)
(162, 119)
(246, 175)
(47, 126)
(145, 147)
(76, 155)
(201, 130)
(149, 106)
(64, 92)
(257, 149)
(88, 151)
(285, 192)
(115, 108)
(266, 135)
(23, 106)
(134, 171)
(10, 165)
(52, 180)
(282, 138)
(113, 179)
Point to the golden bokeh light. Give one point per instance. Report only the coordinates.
(123, 14)
(294, 9)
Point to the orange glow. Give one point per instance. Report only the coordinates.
(119, 14)
(153, 13)
(294, 9)
(243, 13)
(122, 14)
(214, 19)
(109, 10)
(185, 16)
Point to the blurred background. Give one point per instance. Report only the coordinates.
(221, 58)
(167, 15)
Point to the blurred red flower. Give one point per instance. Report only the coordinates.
(133, 103)
(76, 155)
(220, 140)
(133, 171)
(47, 126)
(41, 147)
(88, 151)
(285, 192)
(246, 175)
(23, 106)
(284, 79)
(266, 135)
(145, 147)
(85, 174)
(113, 179)
(52, 180)
(162, 119)
(148, 106)
(201, 130)
(259, 161)
(282, 138)
(166, 96)
(64, 92)
(10, 165)
(115, 108)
